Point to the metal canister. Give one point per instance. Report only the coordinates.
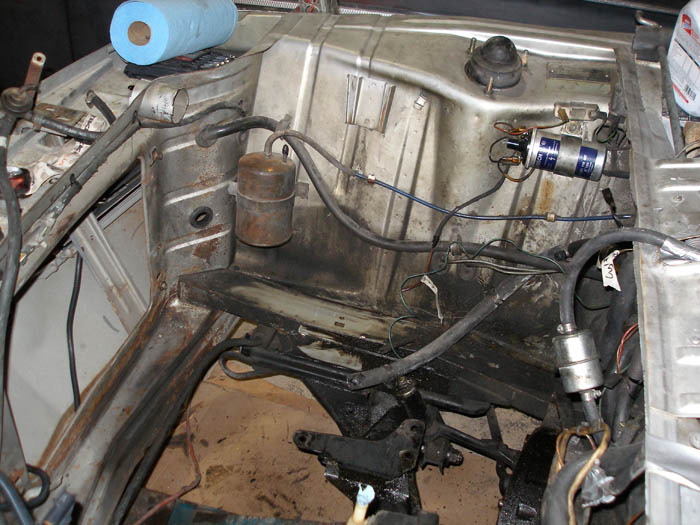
(265, 199)
(566, 155)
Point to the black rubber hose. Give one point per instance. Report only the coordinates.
(209, 134)
(83, 135)
(622, 307)
(89, 137)
(594, 245)
(555, 509)
(627, 391)
(457, 209)
(40, 498)
(93, 99)
(14, 246)
(444, 342)
(154, 124)
(635, 371)
(625, 464)
(15, 500)
(620, 399)
(70, 321)
(399, 245)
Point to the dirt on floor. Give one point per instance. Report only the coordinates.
(242, 437)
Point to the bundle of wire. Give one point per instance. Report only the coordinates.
(471, 261)
(611, 134)
(625, 337)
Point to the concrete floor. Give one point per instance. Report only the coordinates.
(242, 436)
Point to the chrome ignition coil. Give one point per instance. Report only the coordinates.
(563, 155)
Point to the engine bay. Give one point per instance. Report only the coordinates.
(421, 216)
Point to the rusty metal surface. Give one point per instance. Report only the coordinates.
(439, 127)
(435, 128)
(126, 411)
(265, 199)
(475, 368)
(13, 462)
(129, 407)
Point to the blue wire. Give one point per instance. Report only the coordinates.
(491, 217)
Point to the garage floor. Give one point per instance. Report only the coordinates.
(242, 437)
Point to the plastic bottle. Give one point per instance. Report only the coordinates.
(365, 496)
(684, 58)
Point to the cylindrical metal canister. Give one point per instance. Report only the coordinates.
(578, 361)
(566, 155)
(265, 199)
(164, 103)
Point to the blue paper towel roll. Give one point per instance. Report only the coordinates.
(147, 31)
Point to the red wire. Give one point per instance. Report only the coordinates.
(183, 490)
(312, 6)
(516, 132)
(427, 269)
(625, 337)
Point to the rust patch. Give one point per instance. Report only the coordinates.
(545, 197)
(63, 443)
(64, 224)
(159, 316)
(265, 201)
(204, 250)
(16, 475)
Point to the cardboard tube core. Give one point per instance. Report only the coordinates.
(139, 33)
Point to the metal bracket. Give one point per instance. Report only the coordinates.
(368, 102)
(386, 458)
(577, 111)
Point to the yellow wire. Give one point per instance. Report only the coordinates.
(563, 441)
(581, 475)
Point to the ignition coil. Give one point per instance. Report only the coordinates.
(563, 155)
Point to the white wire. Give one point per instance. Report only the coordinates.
(509, 270)
(688, 148)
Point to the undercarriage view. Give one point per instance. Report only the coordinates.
(422, 228)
